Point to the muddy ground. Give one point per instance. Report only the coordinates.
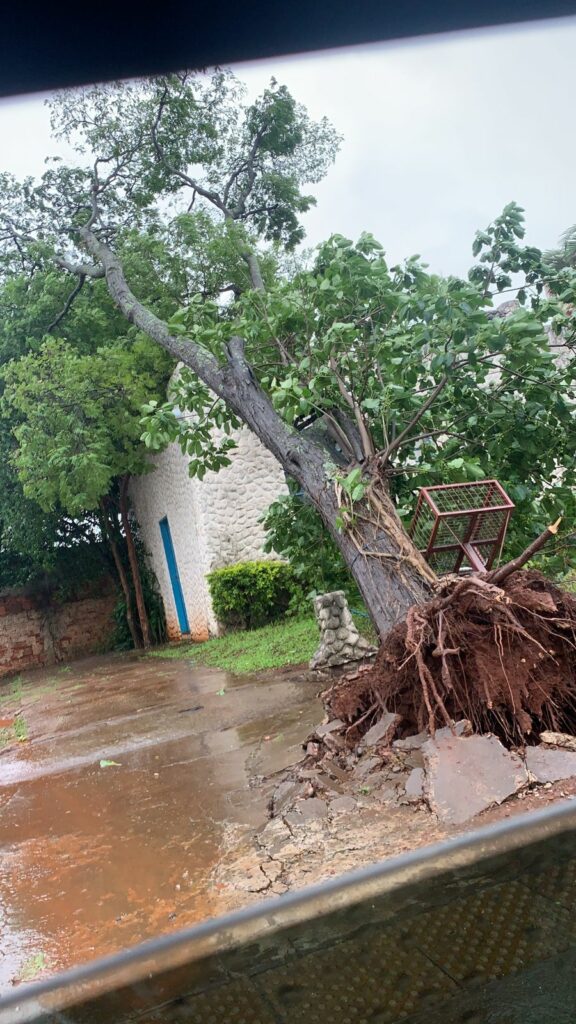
(135, 803)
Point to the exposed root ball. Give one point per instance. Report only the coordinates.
(502, 657)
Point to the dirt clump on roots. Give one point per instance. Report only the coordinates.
(503, 657)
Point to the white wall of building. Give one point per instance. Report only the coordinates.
(213, 522)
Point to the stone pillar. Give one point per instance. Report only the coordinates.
(340, 641)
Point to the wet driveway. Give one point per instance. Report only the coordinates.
(131, 780)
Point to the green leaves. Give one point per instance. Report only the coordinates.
(76, 419)
(352, 484)
(249, 594)
(200, 423)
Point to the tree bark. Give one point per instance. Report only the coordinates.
(121, 576)
(389, 571)
(133, 559)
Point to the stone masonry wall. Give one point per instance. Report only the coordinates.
(232, 502)
(169, 491)
(213, 522)
(33, 634)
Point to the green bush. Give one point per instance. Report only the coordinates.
(250, 594)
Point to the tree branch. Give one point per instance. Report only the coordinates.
(235, 383)
(240, 205)
(498, 576)
(79, 269)
(385, 455)
(212, 197)
(75, 291)
(365, 436)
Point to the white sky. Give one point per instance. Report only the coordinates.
(438, 135)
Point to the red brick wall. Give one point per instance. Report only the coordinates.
(34, 633)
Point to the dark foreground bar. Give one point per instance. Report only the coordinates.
(479, 930)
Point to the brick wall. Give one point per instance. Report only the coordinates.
(34, 633)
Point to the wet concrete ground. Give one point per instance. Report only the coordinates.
(95, 857)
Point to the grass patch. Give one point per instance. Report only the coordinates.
(289, 642)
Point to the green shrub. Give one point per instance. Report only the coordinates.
(250, 594)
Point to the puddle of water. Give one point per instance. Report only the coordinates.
(94, 859)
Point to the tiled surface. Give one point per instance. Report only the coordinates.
(378, 979)
(486, 954)
(494, 934)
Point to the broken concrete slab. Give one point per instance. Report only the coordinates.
(343, 804)
(411, 743)
(365, 766)
(284, 796)
(334, 743)
(382, 731)
(548, 765)
(324, 730)
(330, 768)
(466, 775)
(272, 869)
(462, 728)
(414, 760)
(415, 785)
(558, 739)
(308, 810)
(250, 876)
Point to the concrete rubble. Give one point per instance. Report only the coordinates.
(340, 641)
(466, 775)
(549, 765)
(456, 775)
(558, 739)
(349, 804)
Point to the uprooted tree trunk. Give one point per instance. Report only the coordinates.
(390, 572)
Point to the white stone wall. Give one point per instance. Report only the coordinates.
(213, 522)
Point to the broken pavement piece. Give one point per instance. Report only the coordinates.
(284, 796)
(548, 765)
(343, 804)
(415, 785)
(365, 766)
(307, 810)
(558, 739)
(461, 728)
(324, 730)
(272, 869)
(411, 743)
(249, 876)
(466, 775)
(382, 731)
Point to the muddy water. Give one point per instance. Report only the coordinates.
(95, 857)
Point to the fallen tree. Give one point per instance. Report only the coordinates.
(411, 373)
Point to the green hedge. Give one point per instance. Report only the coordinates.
(250, 594)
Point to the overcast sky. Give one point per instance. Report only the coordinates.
(438, 135)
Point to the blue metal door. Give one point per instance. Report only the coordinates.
(174, 575)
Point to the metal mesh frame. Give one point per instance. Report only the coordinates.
(459, 526)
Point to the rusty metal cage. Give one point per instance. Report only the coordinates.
(461, 526)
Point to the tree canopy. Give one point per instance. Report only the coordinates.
(421, 375)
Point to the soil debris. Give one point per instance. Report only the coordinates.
(503, 657)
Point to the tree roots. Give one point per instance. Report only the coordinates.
(503, 657)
